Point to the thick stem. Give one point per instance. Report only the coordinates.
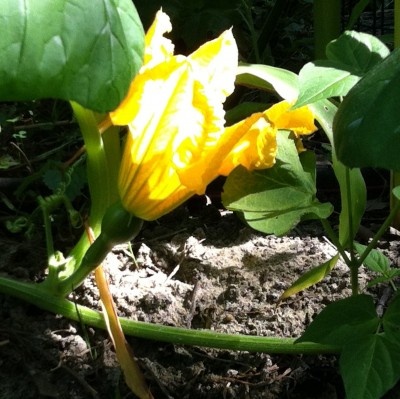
(35, 294)
(118, 226)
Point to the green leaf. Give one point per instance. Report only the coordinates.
(281, 222)
(324, 113)
(311, 277)
(391, 319)
(367, 124)
(87, 52)
(358, 51)
(342, 321)
(375, 261)
(274, 200)
(370, 366)
(269, 78)
(396, 192)
(324, 79)
(350, 57)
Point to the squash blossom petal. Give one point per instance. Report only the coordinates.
(258, 146)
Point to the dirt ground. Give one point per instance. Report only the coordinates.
(199, 270)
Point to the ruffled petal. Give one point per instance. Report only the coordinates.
(299, 121)
(157, 47)
(256, 147)
(217, 62)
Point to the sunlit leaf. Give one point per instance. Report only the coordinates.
(87, 52)
(349, 57)
(311, 277)
(274, 200)
(269, 78)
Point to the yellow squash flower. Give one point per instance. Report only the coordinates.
(177, 143)
(258, 146)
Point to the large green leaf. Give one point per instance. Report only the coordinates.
(391, 319)
(367, 124)
(87, 52)
(351, 182)
(269, 78)
(370, 366)
(342, 321)
(274, 200)
(349, 58)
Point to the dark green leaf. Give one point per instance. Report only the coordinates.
(370, 366)
(86, 52)
(343, 321)
(391, 319)
(358, 51)
(367, 124)
(311, 277)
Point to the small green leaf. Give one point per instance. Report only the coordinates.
(86, 52)
(311, 277)
(389, 276)
(349, 58)
(269, 78)
(343, 321)
(396, 192)
(274, 200)
(375, 261)
(367, 124)
(324, 79)
(370, 366)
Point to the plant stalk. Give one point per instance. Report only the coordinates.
(35, 294)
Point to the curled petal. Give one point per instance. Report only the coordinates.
(299, 121)
(256, 147)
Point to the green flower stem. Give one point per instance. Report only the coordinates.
(335, 240)
(102, 166)
(353, 261)
(53, 270)
(35, 294)
(117, 227)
